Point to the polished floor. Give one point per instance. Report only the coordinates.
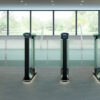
(47, 86)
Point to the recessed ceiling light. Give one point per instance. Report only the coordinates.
(52, 1)
(82, 1)
(21, 1)
(81, 4)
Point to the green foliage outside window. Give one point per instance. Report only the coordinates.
(3, 22)
(88, 20)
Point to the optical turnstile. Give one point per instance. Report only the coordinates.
(29, 72)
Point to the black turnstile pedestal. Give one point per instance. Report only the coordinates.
(64, 69)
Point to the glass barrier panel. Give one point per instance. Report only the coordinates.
(40, 53)
(54, 52)
(98, 54)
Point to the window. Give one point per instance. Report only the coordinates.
(65, 22)
(87, 22)
(42, 22)
(19, 22)
(3, 22)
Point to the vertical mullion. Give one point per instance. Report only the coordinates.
(30, 21)
(75, 22)
(98, 21)
(7, 22)
(53, 24)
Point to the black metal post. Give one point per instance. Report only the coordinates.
(64, 69)
(26, 59)
(26, 77)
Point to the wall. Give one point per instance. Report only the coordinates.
(48, 51)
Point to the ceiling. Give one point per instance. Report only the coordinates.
(49, 4)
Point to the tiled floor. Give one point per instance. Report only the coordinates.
(47, 86)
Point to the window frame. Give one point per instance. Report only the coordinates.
(53, 11)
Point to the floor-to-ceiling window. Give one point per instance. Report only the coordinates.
(87, 22)
(64, 22)
(19, 22)
(42, 23)
(3, 22)
(49, 23)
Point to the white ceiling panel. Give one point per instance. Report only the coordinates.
(49, 4)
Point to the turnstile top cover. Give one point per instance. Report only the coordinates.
(64, 36)
(27, 35)
(96, 35)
